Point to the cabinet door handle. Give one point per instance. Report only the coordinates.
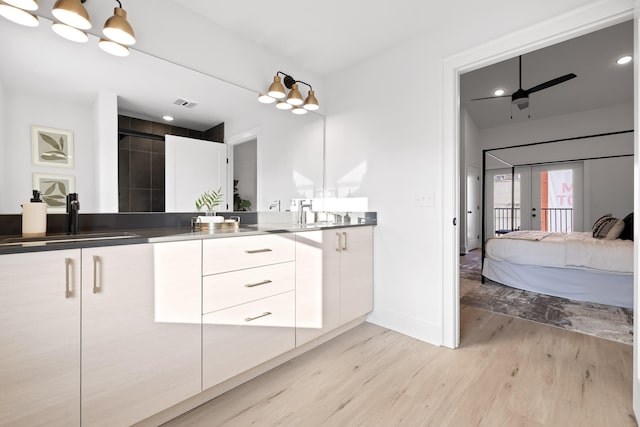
(68, 267)
(344, 247)
(253, 285)
(97, 287)
(338, 242)
(249, 319)
(258, 251)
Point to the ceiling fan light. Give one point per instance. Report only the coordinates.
(266, 99)
(276, 90)
(73, 13)
(18, 16)
(299, 111)
(499, 92)
(113, 48)
(311, 103)
(624, 60)
(281, 105)
(70, 33)
(118, 29)
(295, 97)
(30, 5)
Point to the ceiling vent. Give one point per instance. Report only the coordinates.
(184, 103)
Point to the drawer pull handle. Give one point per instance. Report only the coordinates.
(258, 251)
(344, 247)
(97, 286)
(253, 285)
(339, 242)
(68, 264)
(250, 319)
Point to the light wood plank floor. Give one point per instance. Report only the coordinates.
(508, 372)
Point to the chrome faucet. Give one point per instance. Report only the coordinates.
(275, 204)
(73, 207)
(302, 219)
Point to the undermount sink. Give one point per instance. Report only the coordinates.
(66, 238)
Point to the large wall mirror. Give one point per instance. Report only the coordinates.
(47, 82)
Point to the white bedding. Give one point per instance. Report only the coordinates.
(565, 250)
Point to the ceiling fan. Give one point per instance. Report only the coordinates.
(520, 97)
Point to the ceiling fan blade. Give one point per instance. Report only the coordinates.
(550, 83)
(523, 105)
(491, 97)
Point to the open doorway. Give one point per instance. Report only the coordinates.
(542, 171)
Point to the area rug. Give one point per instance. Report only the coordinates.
(603, 321)
(471, 265)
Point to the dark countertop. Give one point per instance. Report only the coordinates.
(59, 241)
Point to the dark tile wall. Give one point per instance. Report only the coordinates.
(141, 161)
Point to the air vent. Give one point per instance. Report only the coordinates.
(184, 103)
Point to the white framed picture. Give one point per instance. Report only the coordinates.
(51, 147)
(54, 189)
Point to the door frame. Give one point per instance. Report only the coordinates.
(580, 21)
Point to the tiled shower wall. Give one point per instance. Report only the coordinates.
(141, 162)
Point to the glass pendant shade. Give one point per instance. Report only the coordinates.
(266, 99)
(73, 13)
(299, 111)
(24, 4)
(118, 29)
(276, 90)
(18, 16)
(113, 48)
(295, 97)
(281, 105)
(70, 33)
(311, 103)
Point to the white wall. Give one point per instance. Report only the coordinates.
(608, 185)
(470, 155)
(399, 138)
(245, 165)
(3, 137)
(298, 150)
(26, 110)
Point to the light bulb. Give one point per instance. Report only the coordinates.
(113, 48)
(18, 16)
(70, 33)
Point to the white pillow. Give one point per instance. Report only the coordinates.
(616, 230)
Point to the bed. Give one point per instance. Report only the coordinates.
(570, 265)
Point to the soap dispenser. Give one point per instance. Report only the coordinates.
(34, 217)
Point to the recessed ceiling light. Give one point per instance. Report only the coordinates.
(167, 118)
(499, 92)
(624, 60)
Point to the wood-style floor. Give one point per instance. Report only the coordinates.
(507, 372)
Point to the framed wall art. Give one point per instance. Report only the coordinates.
(54, 190)
(51, 147)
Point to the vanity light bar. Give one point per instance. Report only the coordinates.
(277, 92)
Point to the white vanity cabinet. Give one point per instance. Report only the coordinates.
(354, 248)
(40, 338)
(248, 303)
(140, 330)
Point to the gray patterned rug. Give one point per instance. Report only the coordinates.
(603, 321)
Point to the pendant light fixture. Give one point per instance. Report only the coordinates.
(277, 91)
(118, 29)
(72, 13)
(18, 15)
(113, 48)
(70, 33)
(30, 5)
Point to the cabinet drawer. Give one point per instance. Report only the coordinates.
(236, 253)
(220, 291)
(278, 310)
(229, 349)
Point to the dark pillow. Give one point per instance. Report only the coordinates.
(627, 233)
(598, 223)
(603, 226)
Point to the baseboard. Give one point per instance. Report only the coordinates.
(215, 391)
(418, 329)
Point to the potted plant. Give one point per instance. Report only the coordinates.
(209, 200)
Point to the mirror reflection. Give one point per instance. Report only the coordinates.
(122, 159)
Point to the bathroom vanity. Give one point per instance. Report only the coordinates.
(116, 331)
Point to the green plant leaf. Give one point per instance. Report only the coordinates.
(53, 155)
(62, 187)
(61, 143)
(52, 201)
(50, 189)
(52, 142)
